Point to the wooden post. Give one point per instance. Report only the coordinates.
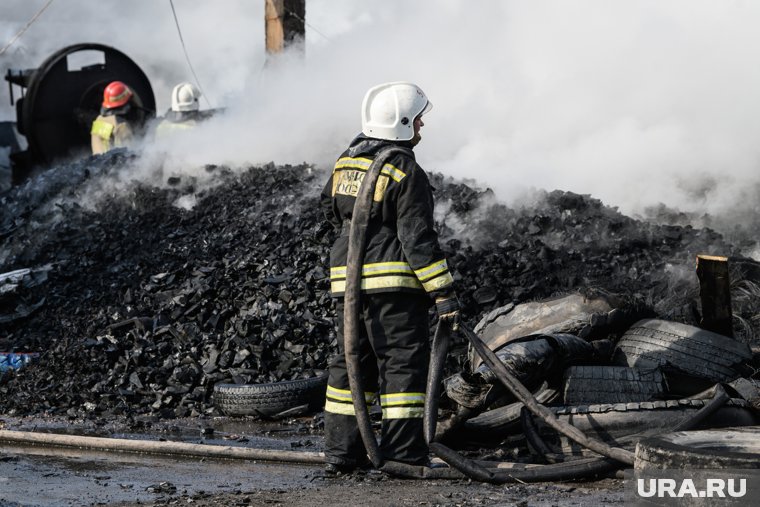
(285, 24)
(714, 285)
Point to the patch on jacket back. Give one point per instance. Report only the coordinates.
(348, 182)
(348, 175)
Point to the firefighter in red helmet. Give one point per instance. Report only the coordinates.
(112, 128)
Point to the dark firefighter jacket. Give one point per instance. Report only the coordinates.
(403, 253)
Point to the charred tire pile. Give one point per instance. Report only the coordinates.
(651, 343)
(611, 384)
(276, 399)
(706, 449)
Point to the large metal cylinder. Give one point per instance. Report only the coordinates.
(62, 97)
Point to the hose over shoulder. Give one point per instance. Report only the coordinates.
(357, 242)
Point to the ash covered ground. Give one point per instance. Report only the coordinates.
(144, 296)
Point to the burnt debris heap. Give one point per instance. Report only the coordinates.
(146, 305)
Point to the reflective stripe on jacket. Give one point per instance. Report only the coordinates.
(107, 132)
(403, 253)
(167, 128)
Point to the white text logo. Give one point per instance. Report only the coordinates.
(713, 488)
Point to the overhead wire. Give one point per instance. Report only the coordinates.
(299, 18)
(187, 57)
(25, 28)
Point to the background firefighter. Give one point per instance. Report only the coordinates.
(404, 271)
(113, 128)
(184, 113)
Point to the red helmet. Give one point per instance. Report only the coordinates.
(116, 94)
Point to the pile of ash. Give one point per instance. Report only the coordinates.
(147, 304)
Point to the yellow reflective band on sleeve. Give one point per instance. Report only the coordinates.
(434, 269)
(394, 172)
(403, 412)
(381, 268)
(375, 268)
(345, 395)
(393, 399)
(380, 282)
(438, 283)
(102, 129)
(336, 407)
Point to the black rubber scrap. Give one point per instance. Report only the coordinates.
(611, 384)
(500, 420)
(143, 292)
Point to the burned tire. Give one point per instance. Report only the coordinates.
(623, 424)
(277, 399)
(651, 343)
(611, 384)
(500, 420)
(708, 449)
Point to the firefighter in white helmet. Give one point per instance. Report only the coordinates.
(404, 273)
(113, 128)
(184, 112)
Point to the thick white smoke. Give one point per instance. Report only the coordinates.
(635, 103)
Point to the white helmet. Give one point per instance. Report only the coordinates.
(389, 110)
(185, 97)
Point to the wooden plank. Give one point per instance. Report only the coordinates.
(715, 294)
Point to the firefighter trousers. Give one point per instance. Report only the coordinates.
(394, 345)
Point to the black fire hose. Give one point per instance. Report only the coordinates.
(437, 359)
(534, 439)
(554, 471)
(525, 396)
(357, 241)
(719, 398)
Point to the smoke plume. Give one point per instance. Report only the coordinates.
(636, 103)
